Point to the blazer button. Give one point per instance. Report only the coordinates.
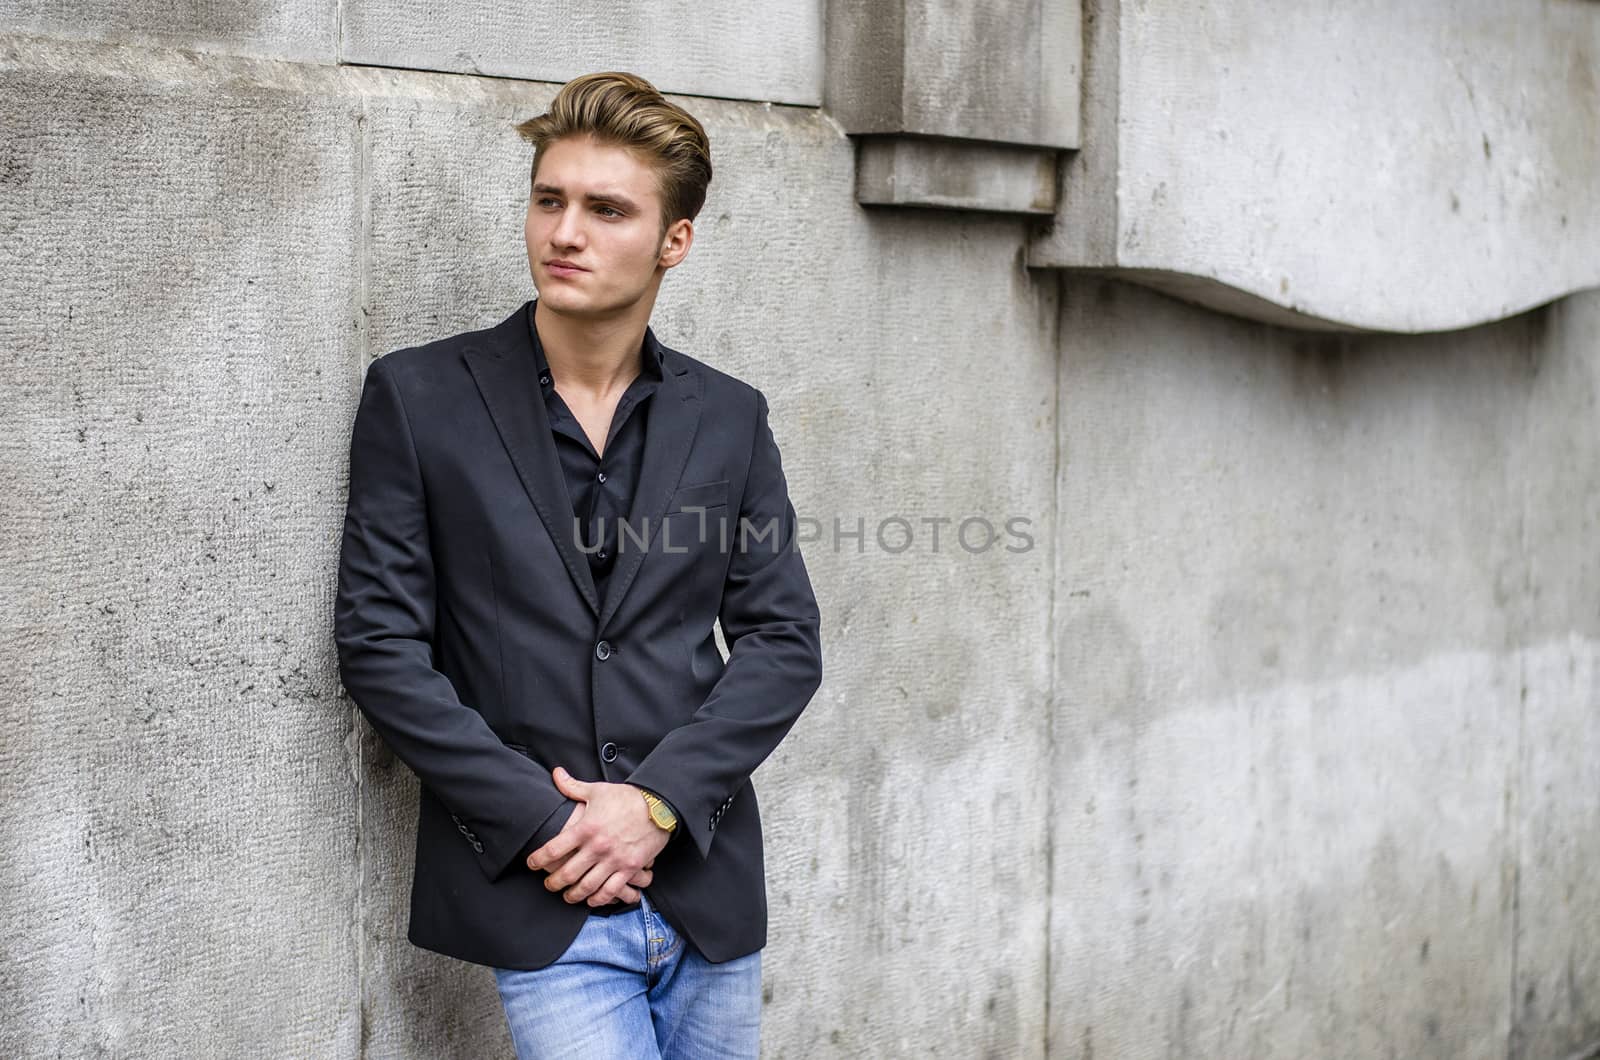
(609, 752)
(602, 650)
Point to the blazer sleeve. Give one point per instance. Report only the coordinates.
(384, 614)
(772, 627)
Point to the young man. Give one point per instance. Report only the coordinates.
(545, 518)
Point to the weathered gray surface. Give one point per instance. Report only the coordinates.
(1394, 167)
(302, 30)
(1006, 71)
(897, 171)
(1325, 760)
(1280, 741)
(710, 48)
(705, 47)
(177, 851)
(1556, 991)
(378, 235)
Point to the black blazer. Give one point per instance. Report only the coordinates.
(470, 636)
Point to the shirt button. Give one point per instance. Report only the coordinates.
(601, 555)
(601, 476)
(544, 380)
(602, 650)
(609, 752)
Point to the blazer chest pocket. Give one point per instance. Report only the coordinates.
(700, 495)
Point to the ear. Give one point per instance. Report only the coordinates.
(675, 242)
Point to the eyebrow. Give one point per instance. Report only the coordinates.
(610, 197)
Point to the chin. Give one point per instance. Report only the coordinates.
(563, 299)
(557, 295)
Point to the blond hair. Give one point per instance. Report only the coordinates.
(626, 110)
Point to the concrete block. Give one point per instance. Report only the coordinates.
(711, 48)
(899, 171)
(182, 281)
(300, 30)
(1555, 995)
(999, 72)
(1365, 166)
(1313, 714)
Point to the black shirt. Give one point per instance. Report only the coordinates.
(601, 486)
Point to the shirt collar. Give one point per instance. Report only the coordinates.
(653, 362)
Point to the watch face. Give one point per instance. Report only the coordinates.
(659, 813)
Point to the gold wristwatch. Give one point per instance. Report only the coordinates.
(660, 813)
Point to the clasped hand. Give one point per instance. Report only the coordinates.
(604, 851)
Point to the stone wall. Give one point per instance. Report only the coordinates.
(1279, 737)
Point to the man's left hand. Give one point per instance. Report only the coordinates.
(615, 837)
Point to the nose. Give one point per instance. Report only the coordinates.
(568, 231)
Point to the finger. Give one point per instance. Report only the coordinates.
(550, 855)
(578, 864)
(570, 785)
(641, 878)
(614, 890)
(588, 883)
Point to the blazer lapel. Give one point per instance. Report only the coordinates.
(674, 418)
(502, 366)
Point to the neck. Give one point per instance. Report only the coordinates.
(590, 354)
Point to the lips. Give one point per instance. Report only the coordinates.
(566, 265)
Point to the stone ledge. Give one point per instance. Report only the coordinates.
(912, 171)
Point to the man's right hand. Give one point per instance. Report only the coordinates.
(640, 878)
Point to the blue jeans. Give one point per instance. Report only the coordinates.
(631, 988)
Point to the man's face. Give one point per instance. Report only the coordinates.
(597, 208)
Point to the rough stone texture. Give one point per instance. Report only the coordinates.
(1325, 754)
(704, 47)
(1280, 740)
(381, 209)
(1393, 167)
(177, 852)
(1000, 72)
(302, 30)
(899, 171)
(1556, 994)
